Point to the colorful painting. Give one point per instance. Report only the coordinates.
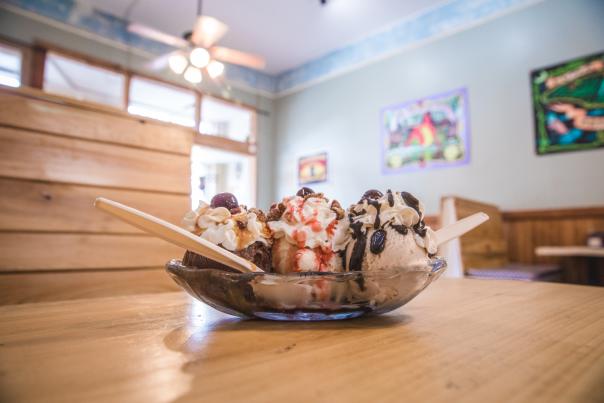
(312, 169)
(426, 133)
(568, 100)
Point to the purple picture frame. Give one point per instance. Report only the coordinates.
(465, 136)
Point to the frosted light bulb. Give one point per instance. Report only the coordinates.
(215, 69)
(178, 63)
(193, 75)
(199, 57)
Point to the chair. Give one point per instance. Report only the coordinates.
(483, 252)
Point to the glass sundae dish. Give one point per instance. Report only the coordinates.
(319, 261)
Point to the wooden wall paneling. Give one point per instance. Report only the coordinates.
(55, 251)
(54, 207)
(37, 156)
(59, 286)
(526, 230)
(432, 221)
(51, 117)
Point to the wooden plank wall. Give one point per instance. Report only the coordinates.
(56, 157)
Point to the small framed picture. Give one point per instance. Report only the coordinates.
(312, 169)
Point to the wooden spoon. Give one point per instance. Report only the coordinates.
(175, 235)
(459, 228)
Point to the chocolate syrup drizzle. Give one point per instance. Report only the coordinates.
(378, 239)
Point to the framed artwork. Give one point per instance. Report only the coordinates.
(426, 133)
(568, 101)
(312, 169)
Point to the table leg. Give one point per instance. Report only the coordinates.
(593, 271)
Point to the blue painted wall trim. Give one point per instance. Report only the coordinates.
(450, 17)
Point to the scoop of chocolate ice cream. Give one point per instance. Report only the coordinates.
(257, 253)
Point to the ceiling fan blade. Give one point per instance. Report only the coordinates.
(159, 63)
(237, 57)
(156, 35)
(207, 31)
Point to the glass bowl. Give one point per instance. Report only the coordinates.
(305, 296)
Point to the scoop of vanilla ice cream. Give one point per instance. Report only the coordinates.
(399, 251)
(389, 233)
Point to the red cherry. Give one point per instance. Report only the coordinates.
(226, 200)
(305, 192)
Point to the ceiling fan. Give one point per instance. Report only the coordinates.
(197, 49)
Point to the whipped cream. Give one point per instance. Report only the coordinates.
(232, 231)
(396, 210)
(309, 222)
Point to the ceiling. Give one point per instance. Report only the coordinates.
(287, 33)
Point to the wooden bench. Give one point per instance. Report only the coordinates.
(483, 252)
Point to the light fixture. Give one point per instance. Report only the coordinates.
(199, 57)
(215, 69)
(178, 63)
(193, 75)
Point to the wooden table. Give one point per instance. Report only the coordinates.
(587, 251)
(590, 253)
(461, 340)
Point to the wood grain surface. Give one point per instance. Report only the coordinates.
(52, 117)
(584, 251)
(485, 246)
(461, 340)
(45, 252)
(63, 286)
(566, 227)
(56, 156)
(54, 207)
(29, 155)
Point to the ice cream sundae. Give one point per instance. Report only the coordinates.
(373, 257)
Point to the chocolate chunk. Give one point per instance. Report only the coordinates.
(378, 241)
(275, 212)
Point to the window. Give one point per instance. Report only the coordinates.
(162, 102)
(10, 66)
(224, 119)
(215, 171)
(73, 78)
